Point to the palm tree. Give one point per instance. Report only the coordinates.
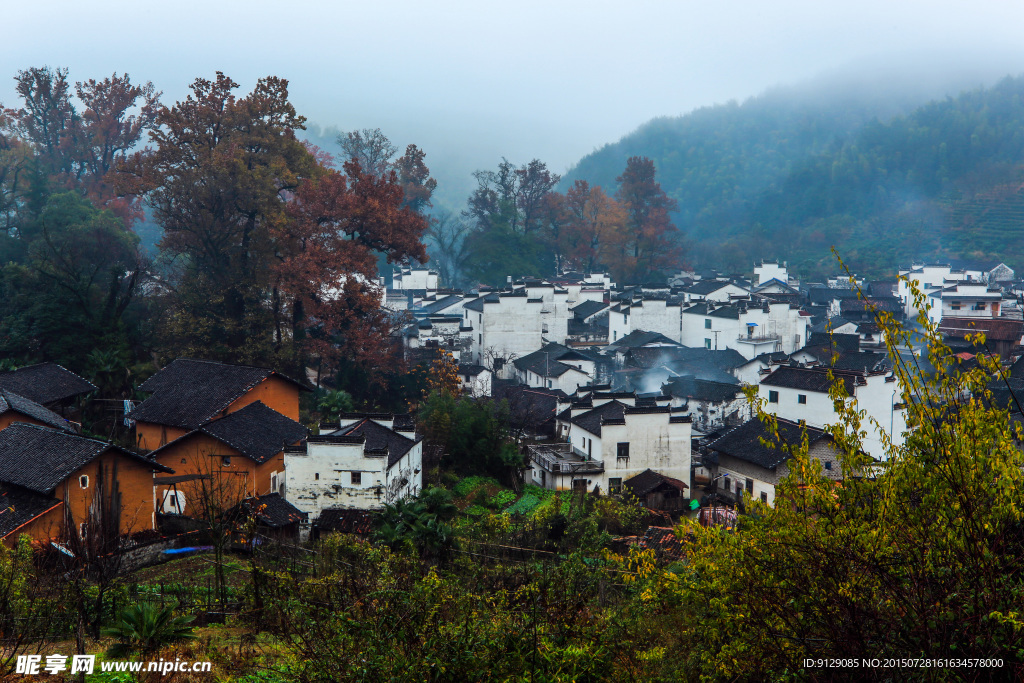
(146, 629)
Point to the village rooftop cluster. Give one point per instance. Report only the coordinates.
(639, 388)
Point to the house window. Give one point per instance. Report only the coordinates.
(316, 476)
(579, 484)
(590, 448)
(622, 450)
(357, 478)
(750, 486)
(764, 497)
(979, 307)
(956, 307)
(801, 399)
(828, 464)
(707, 343)
(707, 323)
(549, 384)
(615, 336)
(83, 481)
(773, 397)
(615, 485)
(225, 460)
(173, 501)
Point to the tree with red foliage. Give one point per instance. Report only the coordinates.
(649, 248)
(279, 249)
(79, 150)
(336, 226)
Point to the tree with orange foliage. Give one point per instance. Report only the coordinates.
(443, 377)
(593, 228)
(648, 247)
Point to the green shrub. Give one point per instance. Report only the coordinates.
(502, 499)
(524, 505)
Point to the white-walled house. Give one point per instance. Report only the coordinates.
(416, 277)
(964, 300)
(653, 313)
(721, 291)
(506, 326)
(556, 367)
(771, 270)
(801, 394)
(750, 329)
(477, 381)
(439, 332)
(748, 459)
(614, 441)
(364, 464)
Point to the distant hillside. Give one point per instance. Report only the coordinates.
(792, 172)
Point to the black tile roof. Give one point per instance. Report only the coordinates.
(255, 431)
(591, 421)
(346, 520)
(705, 287)
(19, 506)
(587, 308)
(811, 379)
(41, 458)
(471, 369)
(189, 392)
(380, 439)
(702, 390)
(824, 295)
(838, 342)
(730, 311)
(551, 355)
(745, 442)
(19, 404)
(274, 511)
(648, 480)
(642, 338)
(861, 361)
(45, 383)
(429, 308)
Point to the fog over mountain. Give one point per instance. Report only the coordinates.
(470, 83)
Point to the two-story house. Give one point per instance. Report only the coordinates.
(621, 440)
(242, 451)
(54, 483)
(189, 393)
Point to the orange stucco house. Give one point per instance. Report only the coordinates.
(52, 482)
(189, 393)
(237, 456)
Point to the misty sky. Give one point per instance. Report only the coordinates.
(472, 81)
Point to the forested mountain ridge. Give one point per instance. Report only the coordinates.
(780, 176)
